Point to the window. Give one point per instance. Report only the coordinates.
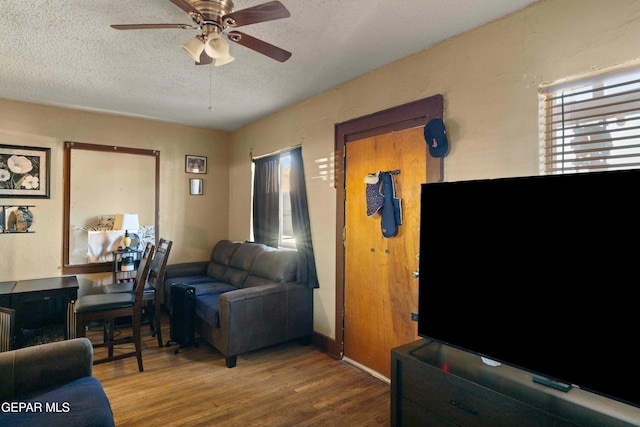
(591, 124)
(271, 182)
(286, 239)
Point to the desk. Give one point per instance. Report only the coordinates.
(5, 293)
(39, 302)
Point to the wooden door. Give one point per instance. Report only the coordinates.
(380, 291)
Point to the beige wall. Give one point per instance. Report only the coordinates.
(489, 78)
(194, 223)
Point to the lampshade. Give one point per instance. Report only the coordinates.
(217, 48)
(128, 222)
(194, 48)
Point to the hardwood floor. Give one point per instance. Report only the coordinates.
(284, 385)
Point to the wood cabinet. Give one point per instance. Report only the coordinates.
(436, 385)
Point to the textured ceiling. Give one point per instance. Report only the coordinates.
(65, 53)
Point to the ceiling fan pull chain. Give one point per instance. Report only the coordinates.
(210, 87)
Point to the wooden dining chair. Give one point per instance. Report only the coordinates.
(7, 328)
(153, 291)
(107, 307)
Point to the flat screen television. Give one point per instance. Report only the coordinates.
(541, 273)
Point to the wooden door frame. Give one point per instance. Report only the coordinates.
(395, 119)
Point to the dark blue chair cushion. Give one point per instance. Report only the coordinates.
(89, 303)
(79, 403)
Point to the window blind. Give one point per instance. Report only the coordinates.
(592, 124)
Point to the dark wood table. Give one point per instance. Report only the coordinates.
(39, 302)
(5, 293)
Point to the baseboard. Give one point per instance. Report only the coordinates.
(368, 370)
(327, 345)
(334, 350)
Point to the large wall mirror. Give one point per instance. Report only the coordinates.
(101, 182)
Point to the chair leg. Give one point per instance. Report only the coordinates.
(70, 318)
(152, 313)
(157, 325)
(137, 339)
(148, 312)
(80, 329)
(108, 333)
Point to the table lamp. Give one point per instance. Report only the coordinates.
(126, 222)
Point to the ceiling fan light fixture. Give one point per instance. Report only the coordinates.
(194, 48)
(213, 18)
(225, 60)
(217, 48)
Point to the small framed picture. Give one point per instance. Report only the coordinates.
(195, 164)
(196, 186)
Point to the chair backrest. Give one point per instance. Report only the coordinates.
(146, 249)
(7, 328)
(141, 278)
(159, 265)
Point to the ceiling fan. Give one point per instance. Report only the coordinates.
(213, 18)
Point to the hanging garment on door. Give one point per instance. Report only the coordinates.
(375, 199)
(392, 207)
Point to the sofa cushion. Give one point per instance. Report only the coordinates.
(208, 309)
(223, 250)
(212, 288)
(220, 258)
(189, 280)
(241, 262)
(87, 402)
(252, 281)
(273, 267)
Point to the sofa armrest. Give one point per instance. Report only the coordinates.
(33, 368)
(196, 268)
(259, 316)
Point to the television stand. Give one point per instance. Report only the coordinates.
(438, 385)
(551, 383)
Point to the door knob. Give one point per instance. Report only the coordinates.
(416, 273)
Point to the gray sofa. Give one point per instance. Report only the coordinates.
(52, 385)
(247, 297)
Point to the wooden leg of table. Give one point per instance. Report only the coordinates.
(70, 321)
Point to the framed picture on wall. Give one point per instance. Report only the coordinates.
(24, 171)
(195, 164)
(196, 186)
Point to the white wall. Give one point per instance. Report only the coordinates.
(489, 78)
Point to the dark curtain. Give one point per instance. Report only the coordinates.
(307, 274)
(266, 226)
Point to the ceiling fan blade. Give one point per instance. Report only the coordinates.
(253, 15)
(152, 26)
(259, 46)
(186, 6)
(204, 59)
